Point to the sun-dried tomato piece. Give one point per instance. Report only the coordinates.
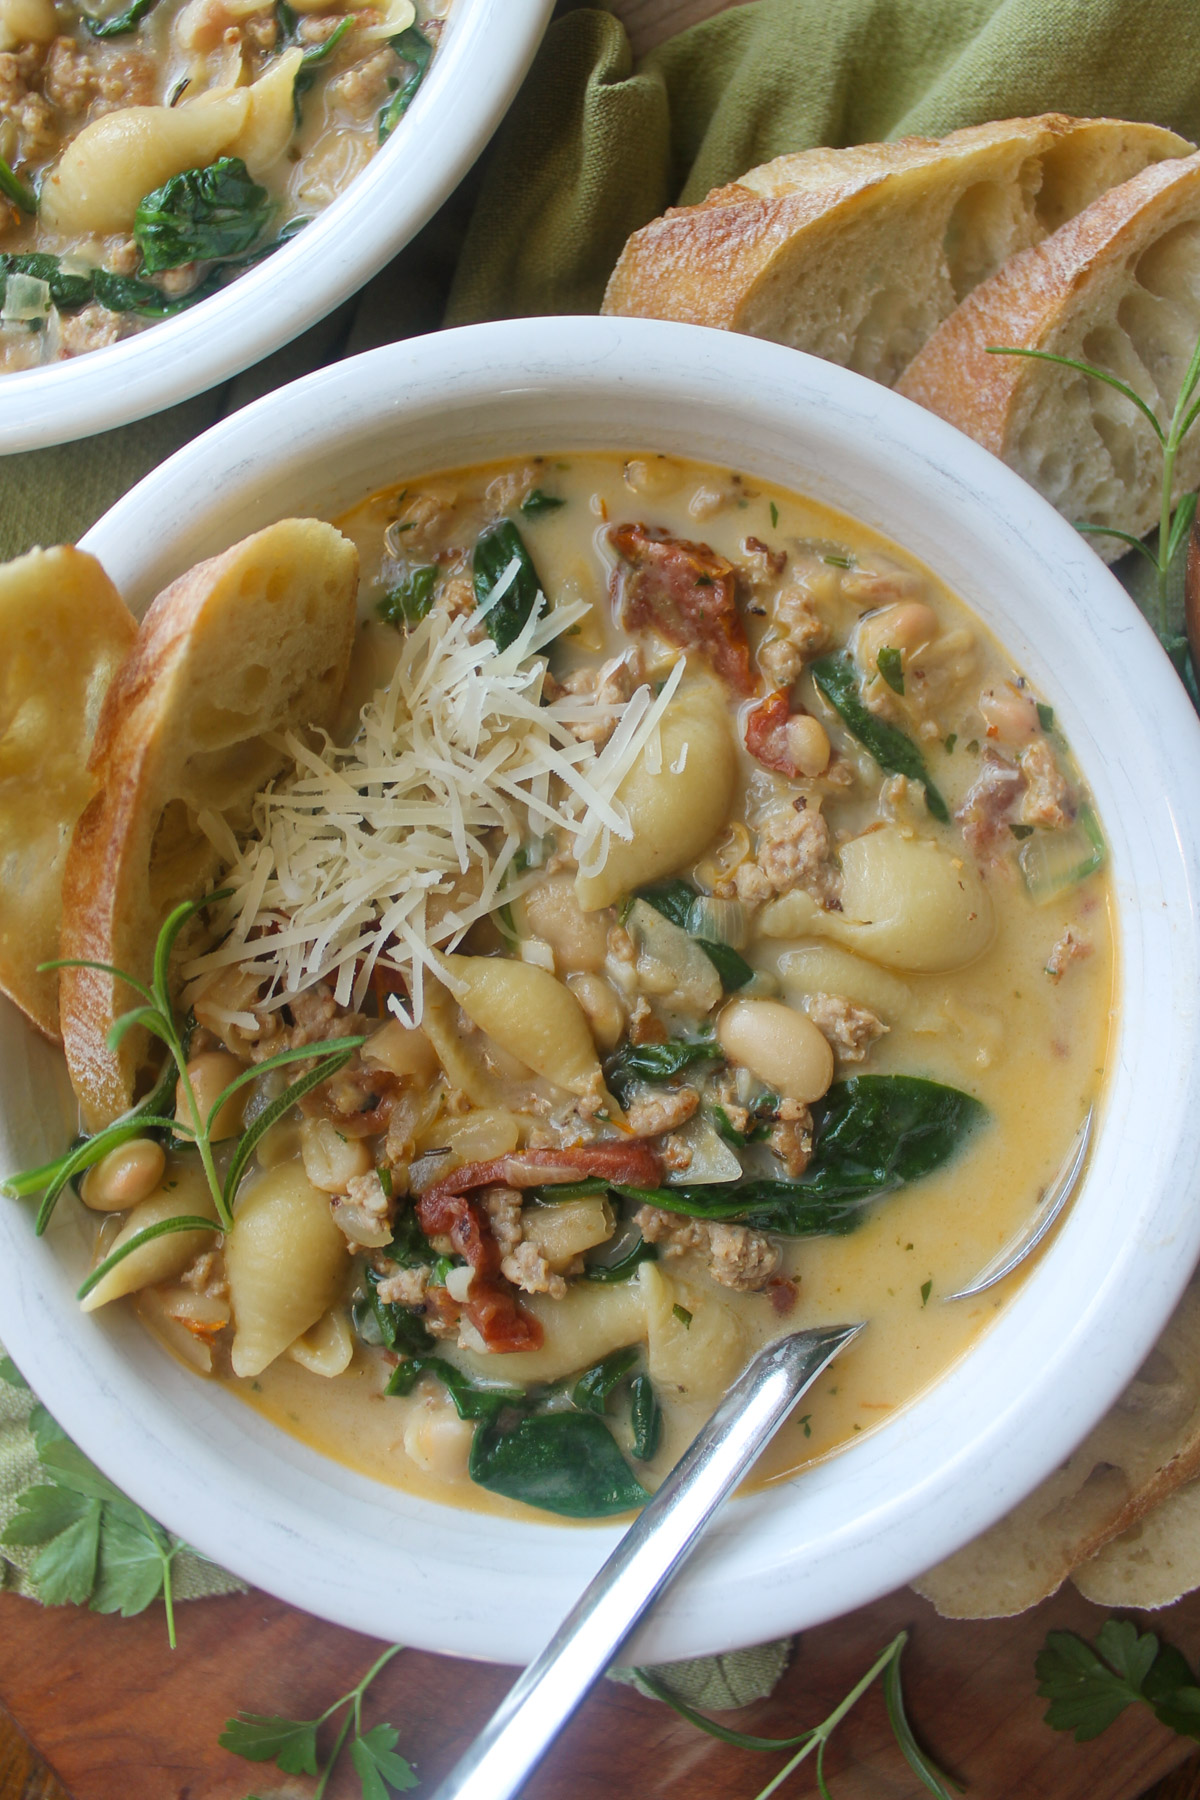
(766, 734)
(685, 591)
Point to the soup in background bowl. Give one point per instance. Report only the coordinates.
(899, 1497)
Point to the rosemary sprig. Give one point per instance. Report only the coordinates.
(164, 1228)
(1173, 522)
(816, 1738)
(156, 1014)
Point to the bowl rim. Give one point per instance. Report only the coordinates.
(487, 49)
(848, 1530)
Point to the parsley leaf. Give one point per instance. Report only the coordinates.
(291, 1744)
(1089, 1688)
(377, 1765)
(42, 1513)
(65, 1571)
(133, 1562)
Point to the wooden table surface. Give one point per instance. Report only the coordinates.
(97, 1708)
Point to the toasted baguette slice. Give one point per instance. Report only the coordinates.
(858, 255)
(1154, 1563)
(251, 643)
(1144, 1450)
(64, 631)
(1117, 287)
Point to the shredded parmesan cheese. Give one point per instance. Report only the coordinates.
(380, 854)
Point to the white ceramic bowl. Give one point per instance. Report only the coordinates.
(487, 47)
(866, 1521)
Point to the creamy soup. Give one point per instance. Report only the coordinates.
(721, 930)
(151, 151)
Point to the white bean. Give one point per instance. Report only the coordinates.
(331, 1161)
(439, 1443)
(808, 744)
(26, 22)
(906, 627)
(1011, 716)
(779, 1045)
(123, 1177)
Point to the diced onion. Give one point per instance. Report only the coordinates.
(25, 297)
(718, 921)
(1052, 861)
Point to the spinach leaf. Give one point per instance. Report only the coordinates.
(121, 23)
(875, 1133)
(655, 1062)
(495, 551)
(201, 216)
(417, 50)
(472, 1399)
(311, 58)
(536, 502)
(646, 1418)
(733, 969)
(678, 901)
(626, 1266)
(892, 749)
(399, 1327)
(565, 1462)
(594, 1387)
(408, 602)
(762, 1111)
(14, 189)
(409, 1246)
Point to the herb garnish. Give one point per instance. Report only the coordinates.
(291, 1744)
(774, 514)
(890, 664)
(203, 215)
(95, 1545)
(818, 1736)
(416, 49)
(157, 1016)
(1090, 1688)
(1174, 523)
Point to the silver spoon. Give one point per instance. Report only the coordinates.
(513, 1743)
(1035, 1228)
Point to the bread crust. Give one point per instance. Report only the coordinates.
(858, 254)
(64, 631)
(1050, 298)
(251, 643)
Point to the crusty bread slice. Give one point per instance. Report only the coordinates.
(1145, 1449)
(1154, 1563)
(251, 643)
(64, 631)
(857, 255)
(1117, 287)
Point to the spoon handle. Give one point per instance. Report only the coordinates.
(512, 1744)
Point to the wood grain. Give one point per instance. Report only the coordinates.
(118, 1717)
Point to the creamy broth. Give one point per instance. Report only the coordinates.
(144, 169)
(1021, 1025)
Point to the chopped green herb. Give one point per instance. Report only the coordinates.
(890, 664)
(950, 742)
(1045, 716)
(774, 514)
(974, 746)
(838, 562)
(645, 1418)
(416, 49)
(805, 1419)
(536, 502)
(1021, 831)
(409, 601)
(1088, 1689)
(926, 1290)
(683, 1315)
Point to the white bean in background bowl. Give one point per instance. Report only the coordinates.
(852, 1528)
(482, 59)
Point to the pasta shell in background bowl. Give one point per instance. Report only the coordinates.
(482, 57)
(398, 1563)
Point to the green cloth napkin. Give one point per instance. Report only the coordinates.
(594, 147)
